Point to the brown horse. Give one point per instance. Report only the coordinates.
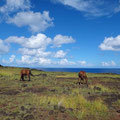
(25, 72)
(82, 76)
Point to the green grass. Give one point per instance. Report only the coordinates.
(57, 89)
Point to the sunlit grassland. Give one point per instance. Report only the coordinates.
(53, 91)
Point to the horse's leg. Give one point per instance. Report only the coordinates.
(79, 80)
(23, 77)
(86, 81)
(29, 77)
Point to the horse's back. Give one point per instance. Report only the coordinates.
(25, 72)
(82, 73)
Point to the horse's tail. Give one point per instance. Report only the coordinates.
(31, 73)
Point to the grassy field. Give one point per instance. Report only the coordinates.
(56, 96)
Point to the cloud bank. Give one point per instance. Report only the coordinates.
(109, 63)
(94, 8)
(3, 47)
(111, 43)
(14, 6)
(36, 21)
(19, 13)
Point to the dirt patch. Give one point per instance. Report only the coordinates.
(36, 90)
(24, 85)
(66, 78)
(104, 78)
(3, 113)
(40, 113)
(93, 79)
(97, 88)
(99, 79)
(10, 92)
(29, 117)
(111, 84)
(92, 97)
(110, 98)
(59, 114)
(53, 90)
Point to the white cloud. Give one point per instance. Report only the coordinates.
(14, 5)
(3, 47)
(60, 54)
(18, 12)
(65, 62)
(29, 60)
(83, 63)
(40, 41)
(12, 58)
(60, 39)
(36, 21)
(25, 59)
(34, 52)
(4, 61)
(15, 39)
(111, 43)
(107, 64)
(93, 7)
(40, 61)
(44, 61)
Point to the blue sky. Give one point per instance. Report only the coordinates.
(60, 33)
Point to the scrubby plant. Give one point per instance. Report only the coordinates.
(101, 87)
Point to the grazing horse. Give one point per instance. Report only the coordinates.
(82, 76)
(25, 72)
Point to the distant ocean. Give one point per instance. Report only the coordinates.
(89, 70)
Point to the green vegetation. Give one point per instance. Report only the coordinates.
(57, 96)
